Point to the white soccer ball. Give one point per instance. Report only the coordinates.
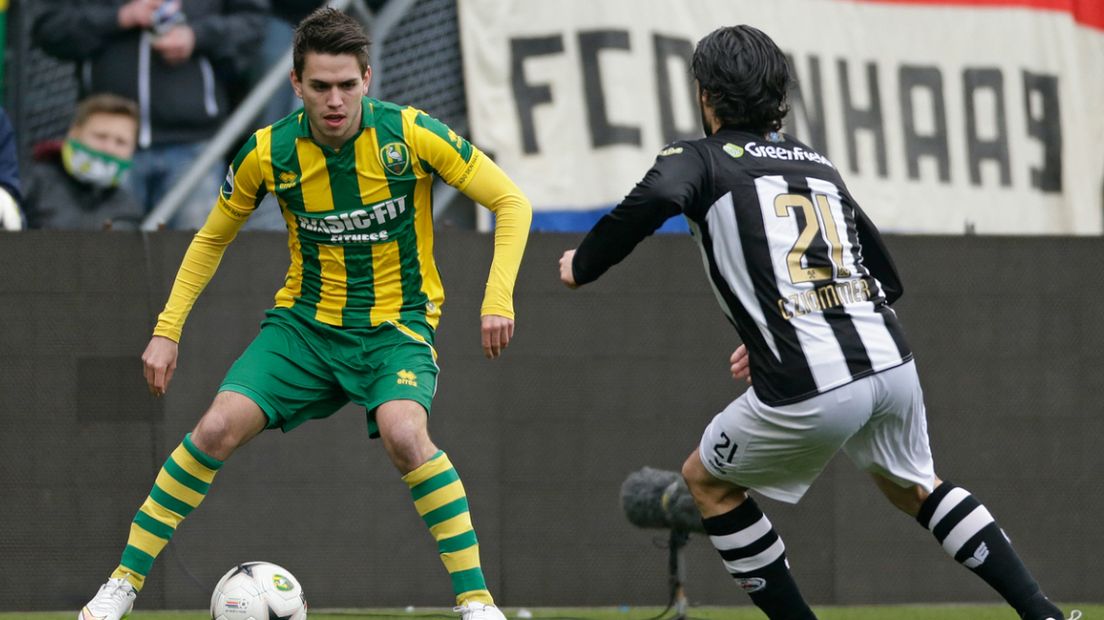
(258, 591)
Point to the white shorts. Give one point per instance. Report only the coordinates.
(878, 420)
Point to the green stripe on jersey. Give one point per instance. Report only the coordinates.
(285, 158)
(462, 146)
(389, 128)
(345, 191)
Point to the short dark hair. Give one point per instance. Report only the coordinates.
(745, 77)
(329, 31)
(104, 103)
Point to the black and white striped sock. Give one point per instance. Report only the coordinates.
(755, 556)
(972, 537)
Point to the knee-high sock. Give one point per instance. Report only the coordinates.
(972, 537)
(755, 556)
(180, 487)
(440, 500)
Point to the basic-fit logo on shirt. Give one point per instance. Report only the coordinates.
(394, 157)
(355, 221)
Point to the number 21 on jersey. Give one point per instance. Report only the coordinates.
(817, 252)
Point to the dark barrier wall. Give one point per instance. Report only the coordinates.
(599, 382)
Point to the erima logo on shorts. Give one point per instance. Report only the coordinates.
(407, 378)
(751, 584)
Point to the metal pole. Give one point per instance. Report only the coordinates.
(223, 141)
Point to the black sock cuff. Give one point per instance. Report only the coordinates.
(927, 509)
(739, 518)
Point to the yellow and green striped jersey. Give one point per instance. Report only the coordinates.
(359, 219)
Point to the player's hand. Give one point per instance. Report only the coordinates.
(496, 334)
(740, 368)
(176, 45)
(137, 14)
(567, 274)
(159, 364)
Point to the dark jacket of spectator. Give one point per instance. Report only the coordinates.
(182, 102)
(57, 200)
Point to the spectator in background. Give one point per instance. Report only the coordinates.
(10, 195)
(176, 59)
(75, 184)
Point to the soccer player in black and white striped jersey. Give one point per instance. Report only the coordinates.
(804, 277)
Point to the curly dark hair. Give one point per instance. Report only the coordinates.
(329, 31)
(744, 76)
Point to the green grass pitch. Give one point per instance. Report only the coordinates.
(905, 612)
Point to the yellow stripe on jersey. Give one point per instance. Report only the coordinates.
(293, 282)
(388, 282)
(332, 260)
(314, 177)
(423, 227)
(370, 177)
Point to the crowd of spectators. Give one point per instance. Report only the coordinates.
(156, 79)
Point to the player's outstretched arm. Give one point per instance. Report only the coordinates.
(159, 364)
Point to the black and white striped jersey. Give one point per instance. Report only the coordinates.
(796, 265)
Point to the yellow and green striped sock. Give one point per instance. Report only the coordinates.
(440, 500)
(178, 490)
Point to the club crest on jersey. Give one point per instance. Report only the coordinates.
(228, 184)
(394, 157)
(733, 150)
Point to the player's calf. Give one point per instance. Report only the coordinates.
(969, 534)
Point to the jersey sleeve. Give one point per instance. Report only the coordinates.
(490, 187)
(244, 186)
(673, 185)
(238, 197)
(445, 152)
(876, 257)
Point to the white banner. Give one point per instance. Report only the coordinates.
(943, 117)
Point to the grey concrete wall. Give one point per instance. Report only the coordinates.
(598, 383)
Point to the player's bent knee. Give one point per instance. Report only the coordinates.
(229, 423)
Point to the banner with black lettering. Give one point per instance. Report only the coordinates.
(944, 116)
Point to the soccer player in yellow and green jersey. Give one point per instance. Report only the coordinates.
(356, 317)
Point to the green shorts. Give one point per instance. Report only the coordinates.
(297, 369)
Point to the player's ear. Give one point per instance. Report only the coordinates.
(367, 80)
(296, 85)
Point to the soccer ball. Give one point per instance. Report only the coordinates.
(258, 591)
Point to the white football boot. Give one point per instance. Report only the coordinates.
(113, 602)
(479, 611)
